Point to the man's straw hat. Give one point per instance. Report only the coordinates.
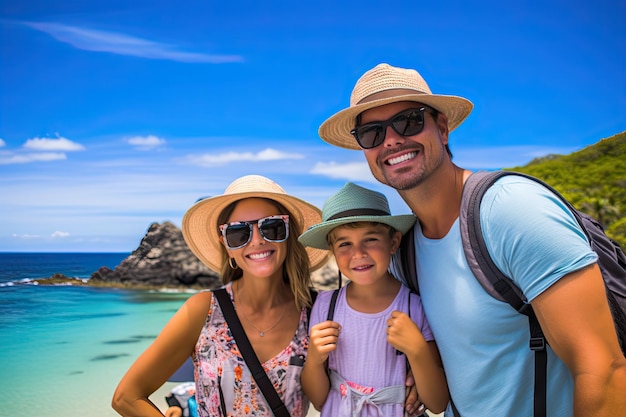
(382, 85)
(201, 231)
(351, 204)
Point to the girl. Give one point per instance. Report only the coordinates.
(357, 362)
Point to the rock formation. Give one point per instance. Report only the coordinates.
(164, 260)
(326, 277)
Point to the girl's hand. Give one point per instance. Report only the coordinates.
(403, 334)
(174, 411)
(324, 337)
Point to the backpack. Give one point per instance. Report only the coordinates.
(333, 303)
(611, 260)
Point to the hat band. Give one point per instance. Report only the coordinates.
(358, 212)
(394, 92)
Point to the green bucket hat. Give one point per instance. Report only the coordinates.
(350, 204)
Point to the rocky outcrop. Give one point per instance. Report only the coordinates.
(326, 277)
(162, 259)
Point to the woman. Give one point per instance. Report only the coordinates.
(249, 234)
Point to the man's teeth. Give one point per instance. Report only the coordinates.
(402, 158)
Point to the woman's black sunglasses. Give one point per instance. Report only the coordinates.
(408, 122)
(239, 234)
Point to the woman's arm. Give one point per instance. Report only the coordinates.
(161, 359)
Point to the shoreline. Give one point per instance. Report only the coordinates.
(61, 280)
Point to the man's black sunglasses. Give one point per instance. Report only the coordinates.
(408, 122)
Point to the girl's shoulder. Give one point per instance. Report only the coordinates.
(321, 305)
(323, 297)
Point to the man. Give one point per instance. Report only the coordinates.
(403, 130)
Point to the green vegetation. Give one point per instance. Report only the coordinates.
(593, 179)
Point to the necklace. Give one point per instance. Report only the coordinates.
(261, 332)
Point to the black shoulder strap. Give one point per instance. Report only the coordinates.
(333, 303)
(265, 385)
(493, 280)
(407, 260)
(331, 307)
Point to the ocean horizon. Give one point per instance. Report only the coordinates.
(65, 347)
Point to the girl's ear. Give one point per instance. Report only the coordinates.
(395, 242)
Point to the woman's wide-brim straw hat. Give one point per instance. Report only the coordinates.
(382, 85)
(351, 204)
(200, 228)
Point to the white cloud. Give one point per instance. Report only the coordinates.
(119, 43)
(15, 235)
(352, 171)
(59, 234)
(31, 157)
(146, 142)
(225, 158)
(58, 144)
(2, 143)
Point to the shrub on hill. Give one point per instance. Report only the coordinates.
(593, 179)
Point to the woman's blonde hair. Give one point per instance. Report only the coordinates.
(296, 269)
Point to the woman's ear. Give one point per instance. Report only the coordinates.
(224, 245)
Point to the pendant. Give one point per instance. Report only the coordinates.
(261, 334)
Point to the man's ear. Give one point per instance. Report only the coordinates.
(442, 127)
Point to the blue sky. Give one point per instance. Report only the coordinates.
(118, 114)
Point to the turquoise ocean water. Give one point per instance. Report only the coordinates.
(64, 348)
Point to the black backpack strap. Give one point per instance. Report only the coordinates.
(407, 260)
(331, 307)
(494, 281)
(264, 383)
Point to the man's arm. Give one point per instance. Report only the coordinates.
(576, 320)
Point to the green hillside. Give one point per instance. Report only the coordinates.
(593, 179)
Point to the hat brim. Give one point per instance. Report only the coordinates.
(200, 228)
(316, 236)
(336, 129)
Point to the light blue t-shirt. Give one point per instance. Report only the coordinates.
(483, 342)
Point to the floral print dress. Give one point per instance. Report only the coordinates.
(224, 385)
